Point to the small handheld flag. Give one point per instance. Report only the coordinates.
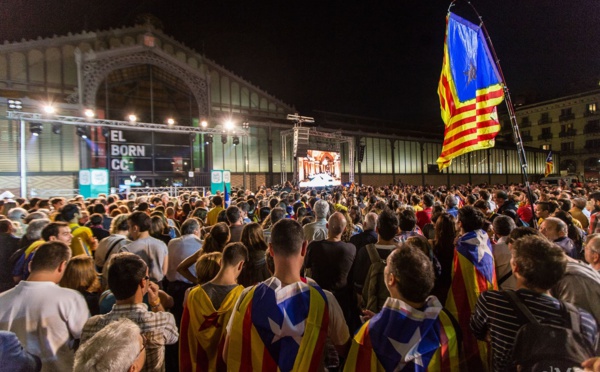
(549, 165)
(470, 88)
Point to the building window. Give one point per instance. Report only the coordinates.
(591, 108)
(567, 146)
(546, 147)
(546, 131)
(545, 119)
(566, 114)
(592, 144)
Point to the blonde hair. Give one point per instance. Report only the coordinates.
(207, 266)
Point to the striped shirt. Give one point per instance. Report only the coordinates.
(496, 314)
(159, 329)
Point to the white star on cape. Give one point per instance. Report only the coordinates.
(287, 329)
(405, 348)
(480, 241)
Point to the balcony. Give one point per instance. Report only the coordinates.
(566, 117)
(591, 129)
(525, 124)
(545, 136)
(527, 138)
(545, 121)
(590, 113)
(568, 133)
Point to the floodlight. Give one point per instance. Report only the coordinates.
(56, 128)
(236, 140)
(36, 128)
(82, 132)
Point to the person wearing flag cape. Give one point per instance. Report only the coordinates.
(282, 324)
(412, 332)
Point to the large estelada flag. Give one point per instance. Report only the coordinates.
(277, 328)
(549, 165)
(202, 331)
(470, 88)
(473, 272)
(400, 338)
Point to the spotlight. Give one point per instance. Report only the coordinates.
(236, 140)
(170, 121)
(82, 132)
(245, 125)
(89, 113)
(132, 118)
(193, 137)
(209, 139)
(56, 128)
(223, 138)
(36, 128)
(105, 132)
(49, 110)
(229, 125)
(204, 123)
(15, 104)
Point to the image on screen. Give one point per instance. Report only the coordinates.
(320, 169)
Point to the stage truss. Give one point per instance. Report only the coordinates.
(293, 134)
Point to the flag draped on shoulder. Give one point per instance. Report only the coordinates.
(549, 165)
(469, 89)
(473, 272)
(279, 328)
(400, 338)
(203, 331)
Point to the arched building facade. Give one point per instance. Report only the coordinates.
(141, 70)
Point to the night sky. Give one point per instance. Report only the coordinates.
(378, 59)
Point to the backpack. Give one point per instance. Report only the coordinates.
(375, 293)
(538, 346)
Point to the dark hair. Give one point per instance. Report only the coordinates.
(68, 212)
(96, 219)
(51, 229)
(141, 220)
(470, 218)
(387, 224)
(287, 237)
(5, 225)
(233, 214)
(233, 253)
(276, 214)
(217, 238)
(49, 256)
(142, 207)
(408, 220)
(501, 195)
(99, 208)
(253, 238)
(125, 272)
(503, 225)
(217, 200)
(540, 262)
(413, 271)
(428, 200)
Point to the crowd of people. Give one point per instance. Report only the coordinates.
(391, 278)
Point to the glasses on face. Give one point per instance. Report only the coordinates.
(144, 343)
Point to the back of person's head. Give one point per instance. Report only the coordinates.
(125, 272)
(579, 203)
(115, 348)
(52, 229)
(17, 214)
(141, 220)
(470, 218)
(96, 219)
(6, 226)
(253, 237)
(408, 220)
(501, 195)
(190, 226)
(233, 215)
(503, 225)
(68, 212)
(217, 200)
(428, 200)
(276, 214)
(143, 207)
(35, 227)
(485, 195)
(421, 242)
(387, 224)
(208, 266)
(482, 205)
(519, 232)
(413, 271)
(80, 274)
(370, 221)
(99, 208)
(556, 224)
(565, 204)
(287, 237)
(336, 224)
(119, 223)
(450, 201)
(49, 256)
(157, 225)
(234, 253)
(217, 238)
(540, 262)
(321, 208)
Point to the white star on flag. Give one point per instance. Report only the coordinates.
(482, 248)
(287, 329)
(404, 349)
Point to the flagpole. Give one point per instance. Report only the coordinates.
(511, 112)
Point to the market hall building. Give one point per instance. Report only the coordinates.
(140, 70)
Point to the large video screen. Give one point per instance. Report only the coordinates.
(320, 169)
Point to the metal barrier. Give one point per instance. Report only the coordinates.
(48, 193)
(171, 190)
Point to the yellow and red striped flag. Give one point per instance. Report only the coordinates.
(470, 88)
(549, 165)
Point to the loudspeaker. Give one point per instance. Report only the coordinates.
(301, 136)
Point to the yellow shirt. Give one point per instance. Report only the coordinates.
(83, 239)
(211, 216)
